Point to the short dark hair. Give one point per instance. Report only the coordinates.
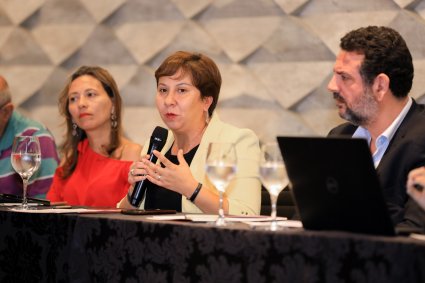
(202, 69)
(385, 52)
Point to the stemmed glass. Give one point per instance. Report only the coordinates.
(220, 168)
(25, 159)
(273, 176)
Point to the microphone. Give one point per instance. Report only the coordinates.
(157, 142)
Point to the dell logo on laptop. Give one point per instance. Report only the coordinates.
(332, 185)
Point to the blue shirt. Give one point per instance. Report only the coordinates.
(383, 139)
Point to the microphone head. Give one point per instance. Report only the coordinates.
(159, 137)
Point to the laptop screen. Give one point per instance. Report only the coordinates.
(335, 185)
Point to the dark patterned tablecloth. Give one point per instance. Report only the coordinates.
(35, 247)
(122, 248)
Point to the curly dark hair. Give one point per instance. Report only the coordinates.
(385, 52)
(204, 72)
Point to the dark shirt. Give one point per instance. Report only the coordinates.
(161, 198)
(406, 151)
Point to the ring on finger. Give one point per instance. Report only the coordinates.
(132, 172)
(159, 177)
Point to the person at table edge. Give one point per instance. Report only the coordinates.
(373, 75)
(13, 123)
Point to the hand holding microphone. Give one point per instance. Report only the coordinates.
(157, 142)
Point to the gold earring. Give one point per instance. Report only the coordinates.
(207, 117)
(74, 129)
(114, 122)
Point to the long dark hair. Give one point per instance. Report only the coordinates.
(69, 147)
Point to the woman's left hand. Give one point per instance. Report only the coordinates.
(175, 177)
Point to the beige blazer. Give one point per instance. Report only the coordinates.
(244, 192)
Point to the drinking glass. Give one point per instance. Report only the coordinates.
(25, 159)
(273, 176)
(220, 168)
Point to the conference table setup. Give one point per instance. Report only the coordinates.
(105, 245)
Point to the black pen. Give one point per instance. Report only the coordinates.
(61, 207)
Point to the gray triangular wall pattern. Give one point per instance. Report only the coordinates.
(276, 56)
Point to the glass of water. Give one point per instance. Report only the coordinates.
(25, 159)
(220, 168)
(273, 176)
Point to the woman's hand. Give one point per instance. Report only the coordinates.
(137, 172)
(174, 177)
(416, 185)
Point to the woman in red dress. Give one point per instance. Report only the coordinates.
(96, 156)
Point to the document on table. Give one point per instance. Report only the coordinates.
(66, 210)
(9, 204)
(284, 223)
(417, 236)
(213, 217)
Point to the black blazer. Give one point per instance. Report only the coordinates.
(405, 152)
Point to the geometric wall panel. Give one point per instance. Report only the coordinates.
(61, 41)
(190, 8)
(140, 89)
(315, 7)
(275, 56)
(418, 88)
(60, 12)
(192, 36)
(142, 47)
(291, 6)
(19, 10)
(21, 48)
(318, 109)
(24, 81)
(239, 81)
(239, 37)
(290, 82)
(321, 24)
(100, 9)
(5, 33)
(48, 93)
(420, 9)
(412, 27)
(102, 47)
(406, 3)
(292, 41)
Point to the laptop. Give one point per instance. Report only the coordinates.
(335, 185)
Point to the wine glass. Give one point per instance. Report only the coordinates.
(220, 168)
(273, 176)
(25, 159)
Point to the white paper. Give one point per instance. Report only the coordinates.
(284, 223)
(66, 210)
(213, 217)
(257, 218)
(417, 236)
(16, 204)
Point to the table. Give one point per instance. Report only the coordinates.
(124, 248)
